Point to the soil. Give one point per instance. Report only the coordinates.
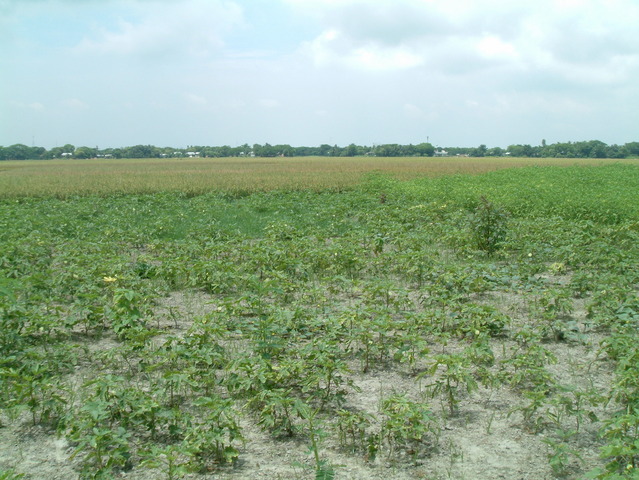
(487, 440)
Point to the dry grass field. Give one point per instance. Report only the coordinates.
(62, 178)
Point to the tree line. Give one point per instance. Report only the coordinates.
(585, 149)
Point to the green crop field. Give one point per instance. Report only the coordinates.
(195, 176)
(319, 319)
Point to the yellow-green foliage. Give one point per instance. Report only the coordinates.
(64, 178)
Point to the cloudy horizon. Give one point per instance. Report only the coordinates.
(113, 73)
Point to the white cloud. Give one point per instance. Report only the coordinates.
(156, 28)
(332, 47)
(569, 39)
(493, 47)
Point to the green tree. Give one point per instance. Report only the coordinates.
(631, 149)
(480, 151)
(425, 149)
(142, 151)
(324, 150)
(350, 151)
(85, 152)
(17, 152)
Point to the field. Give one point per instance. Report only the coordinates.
(318, 321)
(194, 176)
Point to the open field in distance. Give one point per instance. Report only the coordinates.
(62, 178)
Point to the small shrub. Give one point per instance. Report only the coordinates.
(488, 226)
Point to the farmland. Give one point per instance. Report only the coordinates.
(194, 176)
(285, 318)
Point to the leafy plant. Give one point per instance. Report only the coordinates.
(451, 372)
(172, 460)
(561, 453)
(351, 427)
(488, 225)
(406, 424)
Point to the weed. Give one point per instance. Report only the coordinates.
(451, 372)
(406, 424)
(488, 225)
(10, 474)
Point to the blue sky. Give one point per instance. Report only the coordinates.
(112, 73)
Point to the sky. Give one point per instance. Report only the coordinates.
(114, 73)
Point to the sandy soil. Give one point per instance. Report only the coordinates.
(487, 440)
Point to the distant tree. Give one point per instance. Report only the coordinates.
(36, 153)
(407, 150)
(116, 152)
(424, 149)
(266, 150)
(350, 151)
(324, 150)
(522, 151)
(563, 150)
(55, 152)
(615, 151)
(284, 150)
(141, 151)
(585, 149)
(479, 151)
(306, 151)
(23, 152)
(631, 149)
(85, 152)
(389, 150)
(17, 152)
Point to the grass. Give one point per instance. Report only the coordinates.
(63, 178)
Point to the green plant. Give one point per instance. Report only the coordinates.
(213, 440)
(34, 388)
(103, 449)
(561, 453)
(405, 424)
(488, 225)
(10, 474)
(323, 469)
(451, 372)
(277, 411)
(622, 449)
(552, 309)
(172, 460)
(351, 428)
(526, 369)
(532, 414)
(126, 311)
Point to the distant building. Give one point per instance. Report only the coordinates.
(441, 153)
